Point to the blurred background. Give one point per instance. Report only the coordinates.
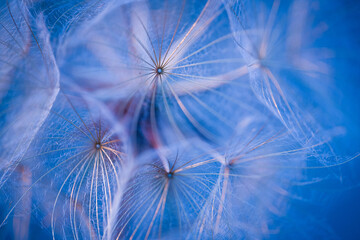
(336, 212)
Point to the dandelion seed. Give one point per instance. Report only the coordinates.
(29, 82)
(81, 157)
(164, 197)
(258, 165)
(166, 65)
(274, 46)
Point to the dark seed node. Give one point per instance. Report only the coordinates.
(159, 70)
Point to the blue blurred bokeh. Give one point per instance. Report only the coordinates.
(338, 203)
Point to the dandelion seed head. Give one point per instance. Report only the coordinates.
(141, 120)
